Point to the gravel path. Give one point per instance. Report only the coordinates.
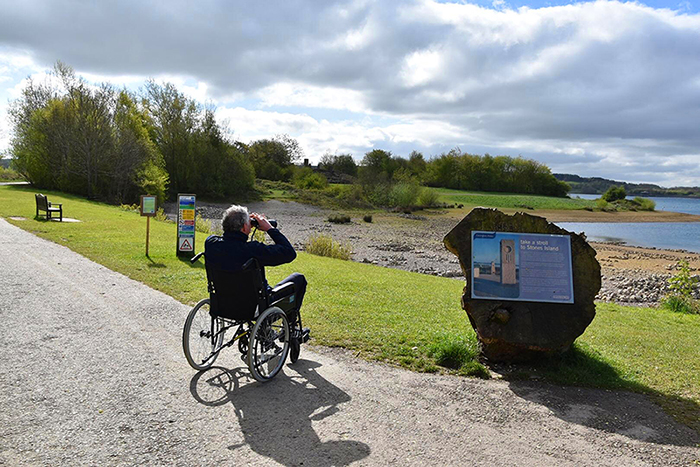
(92, 373)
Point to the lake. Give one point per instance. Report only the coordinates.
(670, 236)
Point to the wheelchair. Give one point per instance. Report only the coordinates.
(242, 309)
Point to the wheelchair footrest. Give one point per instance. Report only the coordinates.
(301, 334)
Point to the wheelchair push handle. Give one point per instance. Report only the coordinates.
(196, 257)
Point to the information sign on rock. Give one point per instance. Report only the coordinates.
(519, 266)
(185, 224)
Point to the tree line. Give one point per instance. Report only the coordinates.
(454, 169)
(112, 144)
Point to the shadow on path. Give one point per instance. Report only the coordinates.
(619, 410)
(276, 417)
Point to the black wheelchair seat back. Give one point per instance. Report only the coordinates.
(237, 295)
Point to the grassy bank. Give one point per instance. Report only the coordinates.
(510, 201)
(371, 311)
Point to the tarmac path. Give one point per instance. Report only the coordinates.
(92, 373)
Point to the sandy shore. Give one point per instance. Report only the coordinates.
(413, 242)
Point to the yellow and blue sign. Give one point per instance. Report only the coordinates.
(185, 224)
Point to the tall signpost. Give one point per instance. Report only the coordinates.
(148, 210)
(185, 225)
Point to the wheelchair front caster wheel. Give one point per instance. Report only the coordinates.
(294, 349)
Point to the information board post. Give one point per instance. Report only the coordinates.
(148, 210)
(185, 225)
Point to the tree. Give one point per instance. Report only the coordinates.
(614, 193)
(343, 163)
(83, 139)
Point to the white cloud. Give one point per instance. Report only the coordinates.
(598, 87)
(322, 97)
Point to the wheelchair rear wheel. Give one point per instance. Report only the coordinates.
(201, 336)
(269, 344)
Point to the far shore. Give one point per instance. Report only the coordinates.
(581, 215)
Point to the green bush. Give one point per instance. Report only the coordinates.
(603, 205)
(457, 353)
(427, 197)
(644, 204)
(614, 193)
(680, 304)
(681, 297)
(324, 245)
(307, 179)
(9, 175)
(403, 195)
(339, 219)
(202, 225)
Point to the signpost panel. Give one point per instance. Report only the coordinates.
(521, 266)
(148, 205)
(185, 224)
(148, 209)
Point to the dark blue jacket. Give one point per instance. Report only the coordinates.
(230, 251)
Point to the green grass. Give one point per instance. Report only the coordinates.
(371, 311)
(512, 201)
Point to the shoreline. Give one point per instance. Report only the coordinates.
(583, 216)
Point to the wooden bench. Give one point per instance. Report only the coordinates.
(43, 204)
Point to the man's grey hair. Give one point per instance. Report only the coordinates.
(235, 218)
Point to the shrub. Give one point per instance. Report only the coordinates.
(604, 205)
(307, 179)
(455, 352)
(681, 297)
(202, 225)
(679, 304)
(130, 207)
(367, 218)
(427, 197)
(9, 175)
(403, 195)
(161, 216)
(324, 245)
(339, 219)
(614, 193)
(644, 204)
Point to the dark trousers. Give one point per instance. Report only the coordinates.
(299, 282)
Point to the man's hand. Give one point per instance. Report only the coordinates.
(263, 224)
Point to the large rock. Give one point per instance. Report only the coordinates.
(516, 330)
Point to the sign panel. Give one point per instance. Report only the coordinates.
(185, 224)
(148, 205)
(521, 266)
(185, 244)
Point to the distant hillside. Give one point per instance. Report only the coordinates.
(597, 186)
(4, 163)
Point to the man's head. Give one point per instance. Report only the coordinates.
(236, 219)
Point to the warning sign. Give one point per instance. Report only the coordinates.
(186, 244)
(186, 224)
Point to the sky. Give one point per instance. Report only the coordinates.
(599, 89)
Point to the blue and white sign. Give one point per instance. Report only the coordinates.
(521, 266)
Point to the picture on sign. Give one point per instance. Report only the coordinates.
(520, 266)
(185, 224)
(186, 244)
(148, 205)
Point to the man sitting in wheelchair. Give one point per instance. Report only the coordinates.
(232, 250)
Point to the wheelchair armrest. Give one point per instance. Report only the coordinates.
(281, 291)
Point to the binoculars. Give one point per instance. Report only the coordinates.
(254, 222)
